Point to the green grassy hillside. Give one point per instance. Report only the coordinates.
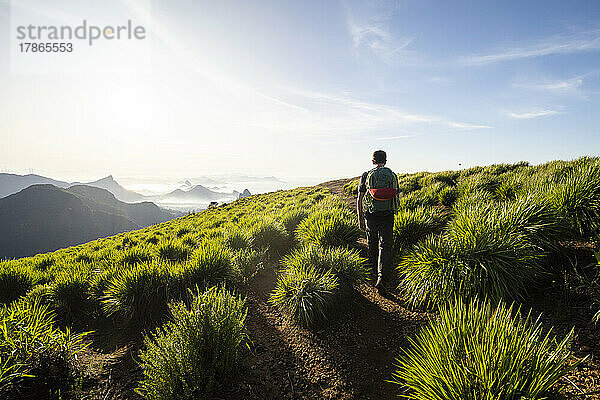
(467, 244)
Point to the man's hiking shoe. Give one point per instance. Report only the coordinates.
(380, 287)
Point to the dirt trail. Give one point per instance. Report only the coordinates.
(352, 357)
(337, 187)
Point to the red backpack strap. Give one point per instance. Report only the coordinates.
(383, 193)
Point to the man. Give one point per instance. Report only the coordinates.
(376, 206)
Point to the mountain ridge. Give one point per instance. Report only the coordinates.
(44, 217)
(13, 183)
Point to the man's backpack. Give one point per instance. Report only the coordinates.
(382, 191)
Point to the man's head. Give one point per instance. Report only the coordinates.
(379, 157)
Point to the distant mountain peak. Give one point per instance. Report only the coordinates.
(245, 193)
(119, 191)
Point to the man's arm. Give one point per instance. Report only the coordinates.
(362, 189)
(359, 210)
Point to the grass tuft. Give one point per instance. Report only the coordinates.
(487, 250)
(69, 296)
(35, 357)
(236, 239)
(15, 281)
(197, 351)
(139, 295)
(346, 264)
(577, 197)
(270, 236)
(305, 294)
(476, 351)
(411, 226)
(173, 250)
(329, 228)
(209, 264)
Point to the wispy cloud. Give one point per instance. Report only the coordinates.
(370, 32)
(344, 115)
(465, 126)
(573, 86)
(564, 43)
(532, 114)
(386, 138)
(394, 138)
(567, 85)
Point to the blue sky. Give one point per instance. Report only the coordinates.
(308, 89)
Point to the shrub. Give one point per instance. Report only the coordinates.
(15, 281)
(152, 239)
(236, 239)
(139, 295)
(346, 264)
(184, 230)
(84, 257)
(498, 169)
(486, 250)
(106, 255)
(189, 241)
(69, 295)
(499, 236)
(411, 226)
(532, 215)
(247, 262)
(190, 356)
(172, 250)
(8, 372)
(329, 228)
(39, 294)
(577, 197)
(446, 177)
(351, 188)
(508, 190)
(473, 198)
(45, 262)
(135, 255)
(410, 183)
(331, 203)
(128, 241)
(209, 264)
(292, 219)
(420, 198)
(270, 236)
(475, 351)
(481, 182)
(101, 279)
(35, 358)
(318, 197)
(305, 294)
(447, 196)
(431, 272)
